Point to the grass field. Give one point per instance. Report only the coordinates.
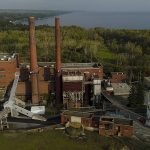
(57, 140)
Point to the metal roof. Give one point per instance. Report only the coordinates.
(120, 88)
(68, 65)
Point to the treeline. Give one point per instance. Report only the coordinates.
(117, 50)
(12, 19)
(19, 14)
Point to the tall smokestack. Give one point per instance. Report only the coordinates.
(33, 61)
(58, 51)
(58, 63)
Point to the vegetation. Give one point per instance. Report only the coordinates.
(136, 96)
(12, 19)
(59, 141)
(109, 47)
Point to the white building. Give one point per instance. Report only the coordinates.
(147, 98)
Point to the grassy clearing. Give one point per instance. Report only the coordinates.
(56, 140)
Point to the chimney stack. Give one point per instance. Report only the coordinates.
(58, 63)
(57, 46)
(33, 61)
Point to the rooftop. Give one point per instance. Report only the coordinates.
(120, 88)
(117, 73)
(67, 65)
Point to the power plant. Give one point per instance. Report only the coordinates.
(75, 89)
(72, 84)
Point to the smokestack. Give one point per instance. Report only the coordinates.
(58, 63)
(33, 61)
(58, 51)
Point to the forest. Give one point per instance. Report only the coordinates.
(116, 50)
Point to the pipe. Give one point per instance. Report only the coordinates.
(33, 61)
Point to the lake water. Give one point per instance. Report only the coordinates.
(99, 19)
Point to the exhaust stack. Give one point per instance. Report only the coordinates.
(33, 61)
(57, 46)
(58, 63)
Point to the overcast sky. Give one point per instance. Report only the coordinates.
(91, 5)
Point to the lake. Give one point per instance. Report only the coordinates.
(100, 19)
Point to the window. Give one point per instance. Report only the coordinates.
(2, 69)
(108, 126)
(2, 76)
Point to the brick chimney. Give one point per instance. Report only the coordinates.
(33, 61)
(58, 64)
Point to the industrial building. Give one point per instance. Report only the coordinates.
(72, 84)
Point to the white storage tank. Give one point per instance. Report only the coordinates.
(40, 110)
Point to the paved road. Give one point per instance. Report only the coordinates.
(141, 132)
(123, 108)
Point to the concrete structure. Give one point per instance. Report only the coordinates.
(147, 98)
(111, 126)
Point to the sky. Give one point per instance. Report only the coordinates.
(87, 5)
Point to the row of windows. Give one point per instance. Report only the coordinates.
(2, 76)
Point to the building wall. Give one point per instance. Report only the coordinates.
(87, 122)
(65, 119)
(116, 129)
(72, 86)
(88, 72)
(118, 77)
(7, 72)
(46, 79)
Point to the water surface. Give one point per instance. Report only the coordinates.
(114, 20)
